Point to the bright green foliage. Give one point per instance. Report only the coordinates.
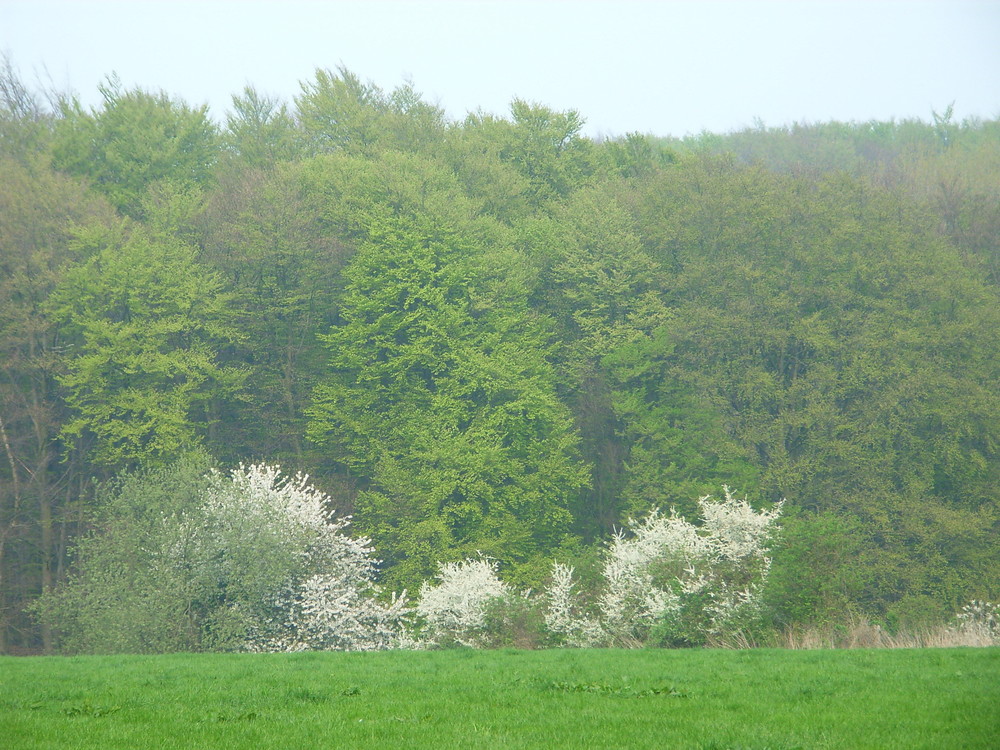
(476, 151)
(145, 322)
(416, 125)
(546, 147)
(828, 546)
(260, 130)
(638, 155)
(519, 165)
(605, 286)
(346, 195)
(446, 407)
(135, 140)
(340, 112)
(280, 268)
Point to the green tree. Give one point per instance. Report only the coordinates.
(339, 112)
(851, 353)
(477, 152)
(547, 148)
(133, 141)
(347, 195)
(652, 441)
(441, 399)
(675, 444)
(260, 130)
(280, 266)
(39, 496)
(638, 155)
(25, 121)
(145, 322)
(600, 287)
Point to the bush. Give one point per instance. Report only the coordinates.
(454, 611)
(189, 559)
(670, 582)
(980, 621)
(516, 620)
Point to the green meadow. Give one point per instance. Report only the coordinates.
(906, 698)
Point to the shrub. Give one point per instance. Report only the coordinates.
(516, 620)
(454, 610)
(980, 622)
(191, 559)
(669, 582)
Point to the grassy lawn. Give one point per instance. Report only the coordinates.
(934, 698)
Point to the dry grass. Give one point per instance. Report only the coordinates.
(861, 633)
(736, 640)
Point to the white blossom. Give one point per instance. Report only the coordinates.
(981, 620)
(734, 529)
(454, 609)
(664, 562)
(332, 613)
(327, 597)
(562, 617)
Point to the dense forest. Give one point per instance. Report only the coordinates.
(498, 336)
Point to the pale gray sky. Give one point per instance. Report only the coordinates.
(668, 68)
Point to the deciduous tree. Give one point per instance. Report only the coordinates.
(440, 397)
(144, 321)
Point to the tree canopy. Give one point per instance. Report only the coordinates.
(497, 336)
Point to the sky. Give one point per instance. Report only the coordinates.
(667, 68)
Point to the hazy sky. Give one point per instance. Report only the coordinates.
(659, 67)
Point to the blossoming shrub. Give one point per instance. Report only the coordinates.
(564, 617)
(318, 591)
(978, 623)
(454, 610)
(516, 620)
(669, 582)
(191, 559)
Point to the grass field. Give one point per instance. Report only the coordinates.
(934, 698)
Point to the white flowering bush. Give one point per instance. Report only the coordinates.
(316, 586)
(563, 616)
(454, 609)
(979, 622)
(331, 613)
(190, 559)
(670, 581)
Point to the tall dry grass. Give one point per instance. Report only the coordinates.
(861, 633)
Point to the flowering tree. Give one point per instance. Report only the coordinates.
(319, 591)
(190, 559)
(563, 617)
(454, 610)
(671, 579)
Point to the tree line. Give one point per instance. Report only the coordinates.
(496, 336)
